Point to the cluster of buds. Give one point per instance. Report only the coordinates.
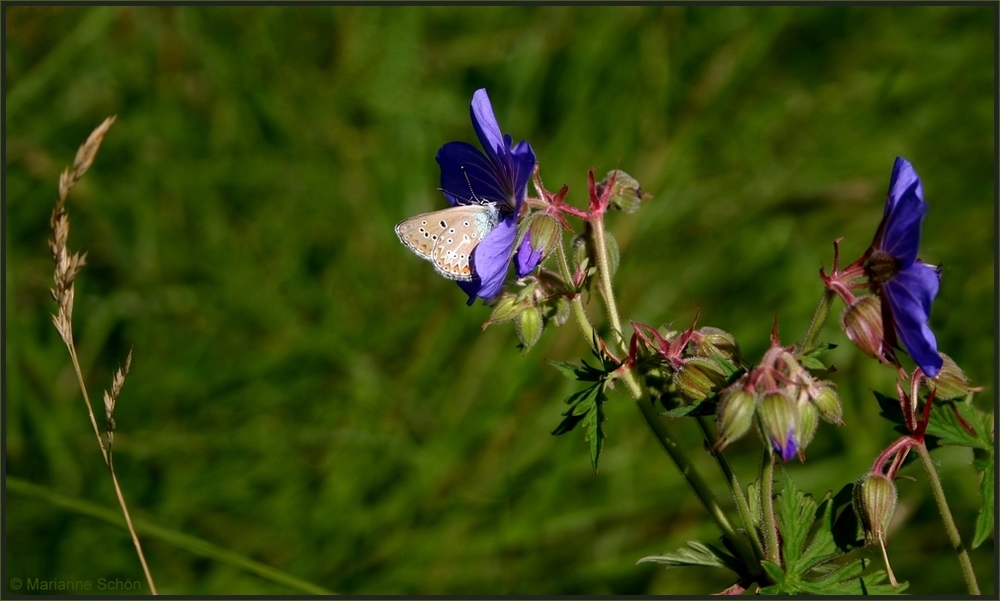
(689, 366)
(786, 401)
(543, 299)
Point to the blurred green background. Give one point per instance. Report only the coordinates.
(308, 394)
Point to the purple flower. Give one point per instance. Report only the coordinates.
(500, 176)
(906, 285)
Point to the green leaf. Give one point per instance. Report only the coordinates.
(984, 522)
(568, 368)
(810, 561)
(595, 432)
(581, 403)
(795, 512)
(696, 554)
(946, 426)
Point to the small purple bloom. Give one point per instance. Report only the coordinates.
(786, 452)
(500, 176)
(906, 285)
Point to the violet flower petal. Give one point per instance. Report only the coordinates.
(910, 295)
(463, 165)
(527, 257)
(490, 260)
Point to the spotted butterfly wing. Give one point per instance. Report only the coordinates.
(447, 237)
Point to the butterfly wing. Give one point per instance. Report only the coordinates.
(447, 237)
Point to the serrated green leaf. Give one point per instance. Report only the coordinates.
(848, 580)
(695, 554)
(583, 396)
(568, 368)
(775, 572)
(984, 521)
(822, 546)
(811, 362)
(795, 512)
(567, 424)
(946, 426)
(595, 432)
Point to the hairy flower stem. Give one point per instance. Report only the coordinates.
(949, 522)
(694, 479)
(819, 318)
(597, 228)
(653, 419)
(770, 525)
(576, 302)
(734, 485)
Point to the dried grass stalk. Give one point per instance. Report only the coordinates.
(68, 265)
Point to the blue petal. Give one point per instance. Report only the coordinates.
(900, 231)
(522, 166)
(786, 450)
(462, 166)
(910, 295)
(527, 257)
(490, 260)
(487, 128)
(904, 176)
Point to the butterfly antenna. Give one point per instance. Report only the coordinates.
(468, 199)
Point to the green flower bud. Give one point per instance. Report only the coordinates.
(545, 232)
(779, 417)
(529, 326)
(699, 378)
(736, 413)
(874, 503)
(951, 382)
(808, 423)
(717, 341)
(827, 402)
(862, 322)
(505, 309)
(626, 195)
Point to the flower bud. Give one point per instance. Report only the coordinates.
(950, 383)
(827, 402)
(626, 195)
(779, 418)
(529, 326)
(505, 309)
(543, 231)
(874, 503)
(807, 425)
(862, 322)
(699, 378)
(712, 341)
(736, 413)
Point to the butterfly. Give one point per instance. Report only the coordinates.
(447, 237)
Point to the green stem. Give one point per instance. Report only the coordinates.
(767, 507)
(687, 469)
(576, 302)
(648, 410)
(819, 318)
(949, 522)
(597, 227)
(734, 485)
